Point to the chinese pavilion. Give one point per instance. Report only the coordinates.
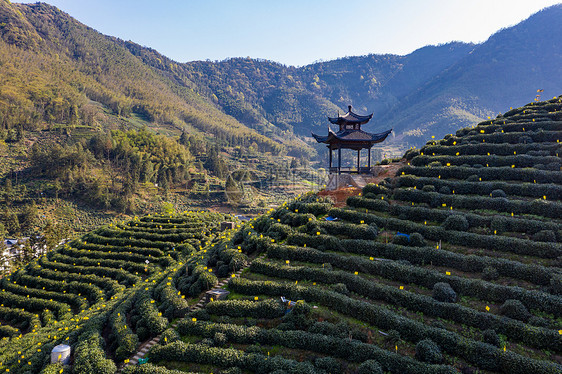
(350, 136)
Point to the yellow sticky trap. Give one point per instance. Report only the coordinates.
(356, 273)
(487, 308)
(256, 298)
(401, 287)
(194, 319)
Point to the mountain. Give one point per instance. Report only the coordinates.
(506, 70)
(56, 70)
(431, 91)
(299, 99)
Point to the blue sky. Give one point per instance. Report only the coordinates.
(296, 32)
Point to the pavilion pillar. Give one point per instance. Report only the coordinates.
(330, 160)
(339, 160)
(369, 160)
(359, 161)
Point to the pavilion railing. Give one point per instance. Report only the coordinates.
(351, 170)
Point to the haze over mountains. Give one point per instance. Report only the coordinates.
(432, 91)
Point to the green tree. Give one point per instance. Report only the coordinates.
(29, 218)
(53, 233)
(11, 222)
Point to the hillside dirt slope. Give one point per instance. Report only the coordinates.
(341, 194)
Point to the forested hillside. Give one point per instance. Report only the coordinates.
(55, 70)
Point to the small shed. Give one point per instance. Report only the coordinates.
(61, 353)
(218, 294)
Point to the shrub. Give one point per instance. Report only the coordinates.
(150, 319)
(375, 189)
(329, 364)
(53, 369)
(455, 222)
(89, 357)
(222, 271)
(169, 336)
(445, 190)
(428, 351)
(220, 339)
(490, 273)
(515, 309)
(444, 292)
(499, 224)
(417, 240)
(491, 337)
(246, 308)
(400, 240)
(369, 367)
(556, 284)
(498, 193)
(428, 188)
(525, 139)
(545, 236)
(340, 288)
(540, 322)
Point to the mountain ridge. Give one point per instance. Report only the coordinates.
(433, 90)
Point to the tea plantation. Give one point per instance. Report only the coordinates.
(452, 266)
(106, 292)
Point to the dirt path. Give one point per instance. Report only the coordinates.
(341, 194)
(388, 171)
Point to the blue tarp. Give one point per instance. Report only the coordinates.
(402, 234)
(330, 218)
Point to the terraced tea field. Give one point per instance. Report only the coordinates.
(453, 265)
(106, 292)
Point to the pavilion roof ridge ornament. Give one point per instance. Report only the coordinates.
(350, 118)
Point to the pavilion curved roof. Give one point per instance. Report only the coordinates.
(351, 136)
(350, 117)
